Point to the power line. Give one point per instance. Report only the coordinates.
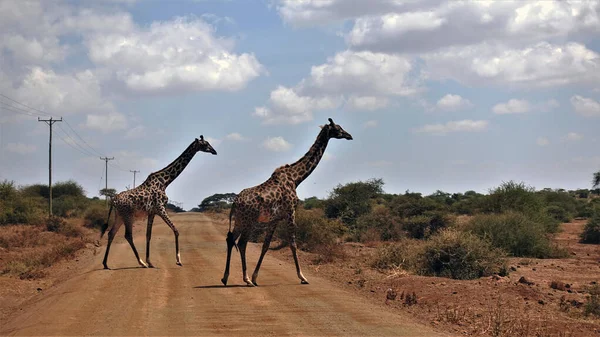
(27, 106)
(83, 140)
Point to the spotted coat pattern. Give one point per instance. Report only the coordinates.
(273, 201)
(150, 198)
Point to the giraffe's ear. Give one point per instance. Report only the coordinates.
(331, 122)
(321, 126)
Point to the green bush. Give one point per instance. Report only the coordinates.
(462, 256)
(350, 201)
(406, 206)
(95, 216)
(313, 229)
(449, 253)
(591, 231)
(516, 233)
(423, 226)
(381, 221)
(59, 225)
(558, 213)
(512, 196)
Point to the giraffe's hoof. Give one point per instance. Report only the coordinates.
(252, 284)
(179, 264)
(224, 281)
(106, 267)
(150, 265)
(303, 282)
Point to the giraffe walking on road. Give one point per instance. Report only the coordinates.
(150, 198)
(273, 201)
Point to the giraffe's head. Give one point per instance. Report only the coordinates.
(336, 131)
(204, 146)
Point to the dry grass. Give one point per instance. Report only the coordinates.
(26, 250)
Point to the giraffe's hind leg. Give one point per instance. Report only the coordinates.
(243, 243)
(162, 212)
(129, 237)
(231, 237)
(148, 236)
(111, 236)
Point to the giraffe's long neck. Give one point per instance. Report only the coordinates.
(173, 170)
(301, 169)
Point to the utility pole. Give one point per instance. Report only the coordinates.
(134, 172)
(50, 122)
(106, 159)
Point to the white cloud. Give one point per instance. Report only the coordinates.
(182, 54)
(364, 80)
(367, 103)
(106, 122)
(466, 125)
(20, 148)
(542, 141)
(277, 144)
(584, 106)
(235, 137)
(371, 124)
(573, 136)
(137, 132)
(539, 65)
(437, 24)
(452, 102)
(288, 107)
(513, 106)
(213, 141)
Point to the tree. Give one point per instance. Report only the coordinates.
(596, 180)
(174, 208)
(108, 192)
(352, 200)
(217, 201)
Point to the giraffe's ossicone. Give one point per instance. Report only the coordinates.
(150, 198)
(273, 201)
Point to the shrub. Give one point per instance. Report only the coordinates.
(423, 226)
(314, 229)
(95, 216)
(380, 221)
(59, 225)
(516, 233)
(461, 255)
(350, 201)
(449, 253)
(512, 196)
(558, 213)
(407, 206)
(591, 231)
(592, 306)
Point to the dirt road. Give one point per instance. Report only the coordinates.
(190, 300)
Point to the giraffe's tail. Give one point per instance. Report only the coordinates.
(105, 226)
(230, 237)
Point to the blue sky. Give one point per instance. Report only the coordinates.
(442, 95)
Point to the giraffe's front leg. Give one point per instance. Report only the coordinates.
(162, 212)
(265, 248)
(294, 248)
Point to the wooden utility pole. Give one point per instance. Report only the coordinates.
(106, 159)
(134, 172)
(50, 122)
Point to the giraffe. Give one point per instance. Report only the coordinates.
(150, 198)
(275, 200)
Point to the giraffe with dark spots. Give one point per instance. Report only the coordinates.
(273, 201)
(150, 198)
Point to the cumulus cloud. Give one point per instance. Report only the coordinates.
(277, 144)
(539, 65)
(513, 106)
(367, 103)
(363, 80)
(542, 141)
(182, 54)
(20, 148)
(371, 124)
(107, 122)
(452, 102)
(235, 137)
(573, 136)
(466, 125)
(584, 106)
(137, 132)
